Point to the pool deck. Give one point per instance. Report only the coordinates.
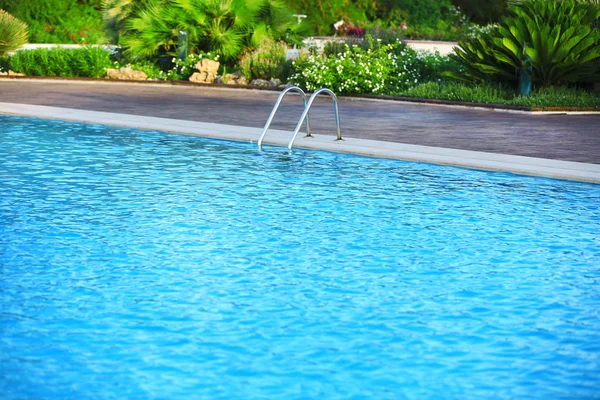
(560, 146)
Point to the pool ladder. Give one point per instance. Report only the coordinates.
(307, 105)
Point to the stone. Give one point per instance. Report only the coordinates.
(237, 78)
(11, 73)
(126, 73)
(231, 79)
(207, 71)
(274, 82)
(259, 82)
(196, 77)
(209, 66)
(203, 77)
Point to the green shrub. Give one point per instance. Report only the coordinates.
(266, 62)
(555, 40)
(384, 69)
(85, 62)
(60, 21)
(13, 33)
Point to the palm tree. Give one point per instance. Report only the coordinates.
(222, 26)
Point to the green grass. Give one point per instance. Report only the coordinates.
(559, 97)
(563, 97)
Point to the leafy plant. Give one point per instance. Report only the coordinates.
(266, 62)
(84, 62)
(13, 33)
(554, 40)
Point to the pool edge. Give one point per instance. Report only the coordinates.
(531, 166)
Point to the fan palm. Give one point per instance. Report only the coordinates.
(222, 26)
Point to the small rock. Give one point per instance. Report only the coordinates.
(259, 82)
(196, 77)
(208, 71)
(203, 77)
(126, 73)
(230, 79)
(219, 80)
(11, 73)
(209, 66)
(237, 78)
(274, 82)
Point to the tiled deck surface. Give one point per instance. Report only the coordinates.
(557, 137)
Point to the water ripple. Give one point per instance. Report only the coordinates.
(148, 265)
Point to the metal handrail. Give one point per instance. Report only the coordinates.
(307, 108)
(276, 106)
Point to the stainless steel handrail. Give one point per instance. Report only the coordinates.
(276, 106)
(307, 108)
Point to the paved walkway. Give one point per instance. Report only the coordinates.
(558, 137)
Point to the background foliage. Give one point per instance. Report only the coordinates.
(59, 21)
(482, 12)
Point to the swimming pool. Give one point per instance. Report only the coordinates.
(151, 265)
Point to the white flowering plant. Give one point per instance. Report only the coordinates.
(378, 69)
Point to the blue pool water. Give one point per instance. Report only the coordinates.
(151, 265)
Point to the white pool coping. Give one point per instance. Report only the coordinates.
(568, 170)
